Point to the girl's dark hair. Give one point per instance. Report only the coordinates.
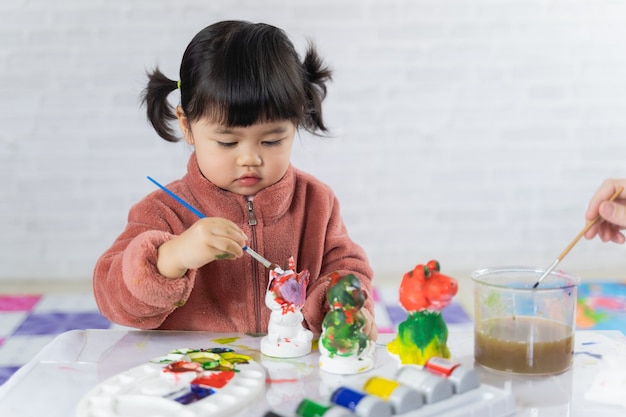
(238, 73)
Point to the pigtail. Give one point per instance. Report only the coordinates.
(158, 109)
(316, 76)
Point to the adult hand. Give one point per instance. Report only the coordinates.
(612, 213)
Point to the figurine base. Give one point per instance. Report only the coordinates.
(417, 359)
(286, 348)
(346, 366)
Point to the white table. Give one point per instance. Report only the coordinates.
(53, 382)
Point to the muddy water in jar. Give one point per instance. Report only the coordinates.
(529, 345)
(522, 330)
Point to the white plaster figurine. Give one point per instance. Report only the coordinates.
(286, 337)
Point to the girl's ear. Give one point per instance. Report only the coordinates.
(183, 124)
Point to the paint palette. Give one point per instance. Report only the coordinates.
(185, 383)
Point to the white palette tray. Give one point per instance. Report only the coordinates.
(150, 391)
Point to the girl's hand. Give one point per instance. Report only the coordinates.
(370, 328)
(612, 213)
(207, 240)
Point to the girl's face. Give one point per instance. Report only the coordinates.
(243, 160)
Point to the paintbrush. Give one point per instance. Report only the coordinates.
(269, 265)
(576, 239)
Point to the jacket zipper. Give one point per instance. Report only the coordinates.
(255, 270)
(251, 215)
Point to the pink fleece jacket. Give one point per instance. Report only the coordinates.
(298, 216)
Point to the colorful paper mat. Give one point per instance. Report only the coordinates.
(602, 306)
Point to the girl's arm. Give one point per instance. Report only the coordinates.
(128, 287)
(150, 269)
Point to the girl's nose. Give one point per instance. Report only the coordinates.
(249, 158)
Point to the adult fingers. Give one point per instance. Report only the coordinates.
(613, 213)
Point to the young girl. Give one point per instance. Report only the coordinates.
(244, 94)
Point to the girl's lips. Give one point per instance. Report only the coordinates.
(248, 181)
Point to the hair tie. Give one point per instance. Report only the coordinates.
(178, 84)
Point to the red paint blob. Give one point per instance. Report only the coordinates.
(214, 380)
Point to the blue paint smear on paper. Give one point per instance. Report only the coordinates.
(602, 306)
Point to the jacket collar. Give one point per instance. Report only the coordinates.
(270, 204)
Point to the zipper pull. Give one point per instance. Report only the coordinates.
(251, 215)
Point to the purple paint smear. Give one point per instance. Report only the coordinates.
(54, 323)
(6, 372)
(454, 313)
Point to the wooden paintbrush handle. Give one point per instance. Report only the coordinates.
(587, 226)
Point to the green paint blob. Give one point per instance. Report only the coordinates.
(494, 303)
(343, 337)
(422, 335)
(493, 300)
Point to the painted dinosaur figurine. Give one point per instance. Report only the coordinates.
(344, 346)
(424, 292)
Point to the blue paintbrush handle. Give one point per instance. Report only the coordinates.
(177, 198)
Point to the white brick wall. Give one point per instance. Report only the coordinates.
(469, 131)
